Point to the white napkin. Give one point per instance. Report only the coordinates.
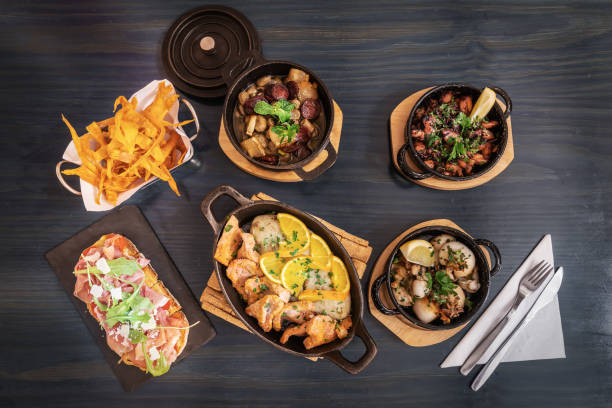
(145, 96)
(542, 338)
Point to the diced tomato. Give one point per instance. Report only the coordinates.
(166, 306)
(120, 243)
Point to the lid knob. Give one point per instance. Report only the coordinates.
(207, 44)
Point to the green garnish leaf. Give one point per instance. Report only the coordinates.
(286, 132)
(158, 369)
(118, 267)
(228, 228)
(281, 109)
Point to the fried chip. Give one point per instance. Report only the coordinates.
(124, 151)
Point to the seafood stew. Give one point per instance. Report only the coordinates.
(288, 277)
(427, 284)
(435, 278)
(449, 139)
(280, 120)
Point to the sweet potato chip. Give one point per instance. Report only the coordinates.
(123, 151)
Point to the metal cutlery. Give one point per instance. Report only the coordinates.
(547, 295)
(529, 283)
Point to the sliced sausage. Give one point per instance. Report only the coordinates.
(293, 88)
(274, 91)
(268, 159)
(311, 108)
(249, 105)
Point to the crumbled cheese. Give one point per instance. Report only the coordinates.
(96, 291)
(116, 293)
(102, 265)
(150, 324)
(153, 353)
(92, 258)
(124, 330)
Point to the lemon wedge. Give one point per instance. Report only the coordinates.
(297, 236)
(295, 272)
(483, 105)
(320, 253)
(339, 277)
(419, 251)
(271, 265)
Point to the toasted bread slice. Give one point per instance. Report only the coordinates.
(230, 242)
(152, 281)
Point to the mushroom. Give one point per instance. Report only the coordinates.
(425, 310)
(261, 124)
(458, 258)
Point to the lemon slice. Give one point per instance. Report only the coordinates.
(483, 105)
(316, 295)
(297, 236)
(339, 276)
(271, 265)
(295, 273)
(320, 253)
(419, 251)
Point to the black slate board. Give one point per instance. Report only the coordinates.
(130, 222)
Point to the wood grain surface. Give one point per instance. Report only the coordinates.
(554, 60)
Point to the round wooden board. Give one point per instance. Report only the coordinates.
(397, 124)
(288, 176)
(401, 327)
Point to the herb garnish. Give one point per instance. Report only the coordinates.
(281, 109)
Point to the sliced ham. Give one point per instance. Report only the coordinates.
(156, 298)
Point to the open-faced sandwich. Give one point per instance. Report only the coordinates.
(143, 322)
(289, 278)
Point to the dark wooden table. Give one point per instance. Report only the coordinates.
(553, 58)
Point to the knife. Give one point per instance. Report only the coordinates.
(545, 297)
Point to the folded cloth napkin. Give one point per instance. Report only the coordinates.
(541, 339)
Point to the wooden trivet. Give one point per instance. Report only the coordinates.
(400, 326)
(213, 300)
(397, 124)
(288, 176)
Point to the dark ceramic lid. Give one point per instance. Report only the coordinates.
(208, 46)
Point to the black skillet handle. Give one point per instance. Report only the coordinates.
(351, 367)
(332, 155)
(405, 168)
(506, 99)
(212, 197)
(496, 254)
(376, 296)
(231, 70)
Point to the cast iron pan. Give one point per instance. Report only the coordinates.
(262, 68)
(496, 113)
(484, 272)
(246, 211)
(213, 51)
(130, 222)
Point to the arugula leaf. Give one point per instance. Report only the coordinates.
(281, 109)
(162, 366)
(137, 336)
(128, 309)
(118, 267)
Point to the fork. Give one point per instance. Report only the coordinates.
(529, 283)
